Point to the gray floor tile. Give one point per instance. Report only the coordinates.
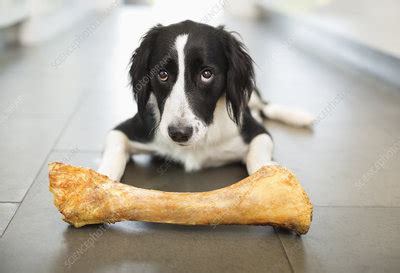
(347, 240)
(344, 164)
(99, 113)
(138, 247)
(7, 211)
(152, 173)
(40, 93)
(24, 145)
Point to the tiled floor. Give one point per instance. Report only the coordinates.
(349, 164)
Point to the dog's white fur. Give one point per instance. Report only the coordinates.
(214, 145)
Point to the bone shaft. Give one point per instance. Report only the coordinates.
(181, 208)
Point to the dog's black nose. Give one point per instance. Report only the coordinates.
(180, 134)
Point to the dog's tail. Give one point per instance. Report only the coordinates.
(286, 114)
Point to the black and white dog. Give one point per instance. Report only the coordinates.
(197, 103)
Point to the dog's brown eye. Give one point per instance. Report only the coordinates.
(163, 75)
(206, 75)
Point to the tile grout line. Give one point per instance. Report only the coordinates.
(69, 119)
(284, 251)
(26, 193)
(4, 231)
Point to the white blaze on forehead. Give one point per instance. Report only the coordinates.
(176, 104)
(180, 43)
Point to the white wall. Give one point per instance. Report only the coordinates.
(41, 20)
(12, 12)
(369, 22)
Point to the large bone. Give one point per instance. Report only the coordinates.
(271, 196)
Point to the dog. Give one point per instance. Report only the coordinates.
(197, 103)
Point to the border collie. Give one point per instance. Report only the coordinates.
(197, 103)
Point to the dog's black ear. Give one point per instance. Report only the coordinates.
(240, 75)
(139, 71)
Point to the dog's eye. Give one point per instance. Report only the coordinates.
(206, 75)
(163, 75)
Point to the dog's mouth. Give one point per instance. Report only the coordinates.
(183, 144)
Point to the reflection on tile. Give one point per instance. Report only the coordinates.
(341, 157)
(347, 240)
(25, 143)
(99, 113)
(40, 94)
(158, 174)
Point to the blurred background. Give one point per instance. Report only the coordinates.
(345, 26)
(365, 21)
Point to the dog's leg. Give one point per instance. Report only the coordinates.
(289, 115)
(260, 153)
(115, 156)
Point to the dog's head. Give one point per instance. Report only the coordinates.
(182, 70)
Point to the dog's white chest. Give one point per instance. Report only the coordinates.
(210, 155)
